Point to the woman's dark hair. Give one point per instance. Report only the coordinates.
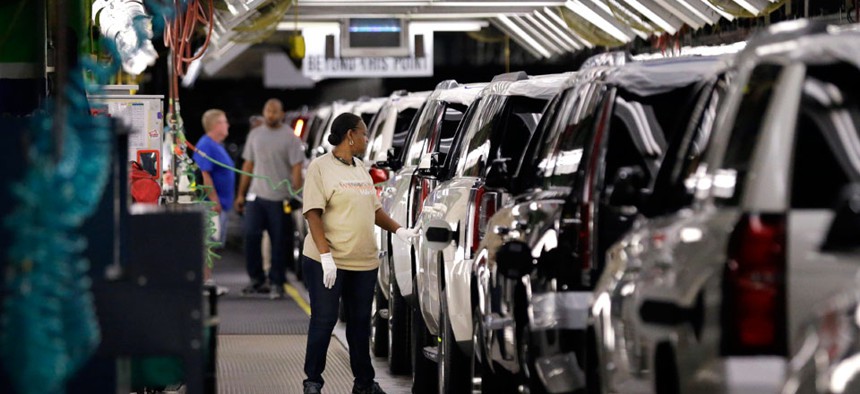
(341, 124)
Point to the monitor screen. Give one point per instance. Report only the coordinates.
(375, 33)
(374, 37)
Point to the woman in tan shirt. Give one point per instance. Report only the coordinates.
(340, 257)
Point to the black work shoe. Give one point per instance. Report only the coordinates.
(276, 292)
(372, 389)
(312, 388)
(255, 288)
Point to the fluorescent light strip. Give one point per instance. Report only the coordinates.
(560, 23)
(429, 3)
(546, 28)
(595, 18)
(450, 25)
(722, 13)
(546, 23)
(642, 9)
(523, 36)
(678, 12)
(695, 11)
(536, 34)
(747, 6)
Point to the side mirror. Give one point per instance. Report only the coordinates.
(431, 166)
(627, 187)
(391, 162)
(844, 232)
(498, 177)
(514, 260)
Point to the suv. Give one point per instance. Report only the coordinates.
(576, 194)
(432, 130)
(386, 136)
(496, 127)
(714, 295)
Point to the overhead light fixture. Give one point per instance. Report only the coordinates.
(558, 22)
(524, 39)
(552, 32)
(535, 33)
(561, 34)
(749, 7)
(674, 8)
(661, 21)
(496, 5)
(602, 22)
(289, 26)
(697, 12)
(714, 8)
(449, 25)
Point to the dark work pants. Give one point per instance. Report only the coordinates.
(267, 215)
(356, 290)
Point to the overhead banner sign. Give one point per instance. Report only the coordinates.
(317, 67)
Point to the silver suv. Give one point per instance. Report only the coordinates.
(495, 129)
(432, 130)
(711, 298)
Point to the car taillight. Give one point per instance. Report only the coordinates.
(379, 176)
(754, 293)
(299, 127)
(485, 208)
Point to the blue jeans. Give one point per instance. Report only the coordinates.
(267, 215)
(355, 288)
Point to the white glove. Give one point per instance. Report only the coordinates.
(406, 234)
(329, 270)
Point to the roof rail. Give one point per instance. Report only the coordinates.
(785, 31)
(613, 58)
(447, 84)
(511, 76)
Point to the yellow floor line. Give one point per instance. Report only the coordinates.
(297, 298)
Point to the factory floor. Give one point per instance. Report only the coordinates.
(261, 342)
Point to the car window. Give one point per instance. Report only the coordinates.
(569, 149)
(375, 132)
(744, 134)
(416, 143)
(401, 127)
(827, 148)
(444, 138)
(536, 155)
(521, 118)
(505, 127)
(685, 152)
(316, 132)
(477, 136)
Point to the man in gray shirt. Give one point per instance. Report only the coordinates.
(274, 155)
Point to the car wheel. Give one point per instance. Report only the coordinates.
(452, 368)
(527, 364)
(484, 380)
(379, 327)
(476, 367)
(423, 369)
